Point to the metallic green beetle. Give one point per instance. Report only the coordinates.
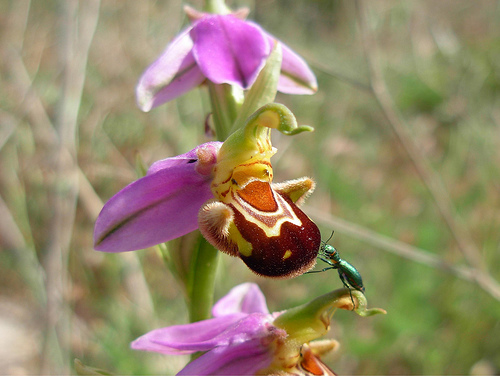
(348, 274)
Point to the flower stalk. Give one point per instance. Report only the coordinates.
(217, 7)
(202, 280)
(225, 100)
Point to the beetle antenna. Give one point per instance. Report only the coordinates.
(331, 236)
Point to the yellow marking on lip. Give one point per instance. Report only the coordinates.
(287, 254)
(244, 247)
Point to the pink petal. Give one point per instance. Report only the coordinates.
(229, 50)
(245, 298)
(159, 207)
(203, 335)
(239, 359)
(174, 73)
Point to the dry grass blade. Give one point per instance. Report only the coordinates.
(77, 31)
(7, 129)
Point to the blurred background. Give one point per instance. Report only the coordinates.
(405, 153)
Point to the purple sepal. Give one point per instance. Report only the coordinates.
(238, 359)
(174, 73)
(161, 206)
(203, 335)
(229, 50)
(222, 49)
(246, 298)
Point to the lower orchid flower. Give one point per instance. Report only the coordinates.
(243, 338)
(225, 190)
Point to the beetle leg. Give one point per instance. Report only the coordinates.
(347, 286)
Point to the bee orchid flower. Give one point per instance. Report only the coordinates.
(243, 338)
(225, 50)
(225, 190)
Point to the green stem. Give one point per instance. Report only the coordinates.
(225, 101)
(216, 6)
(202, 281)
